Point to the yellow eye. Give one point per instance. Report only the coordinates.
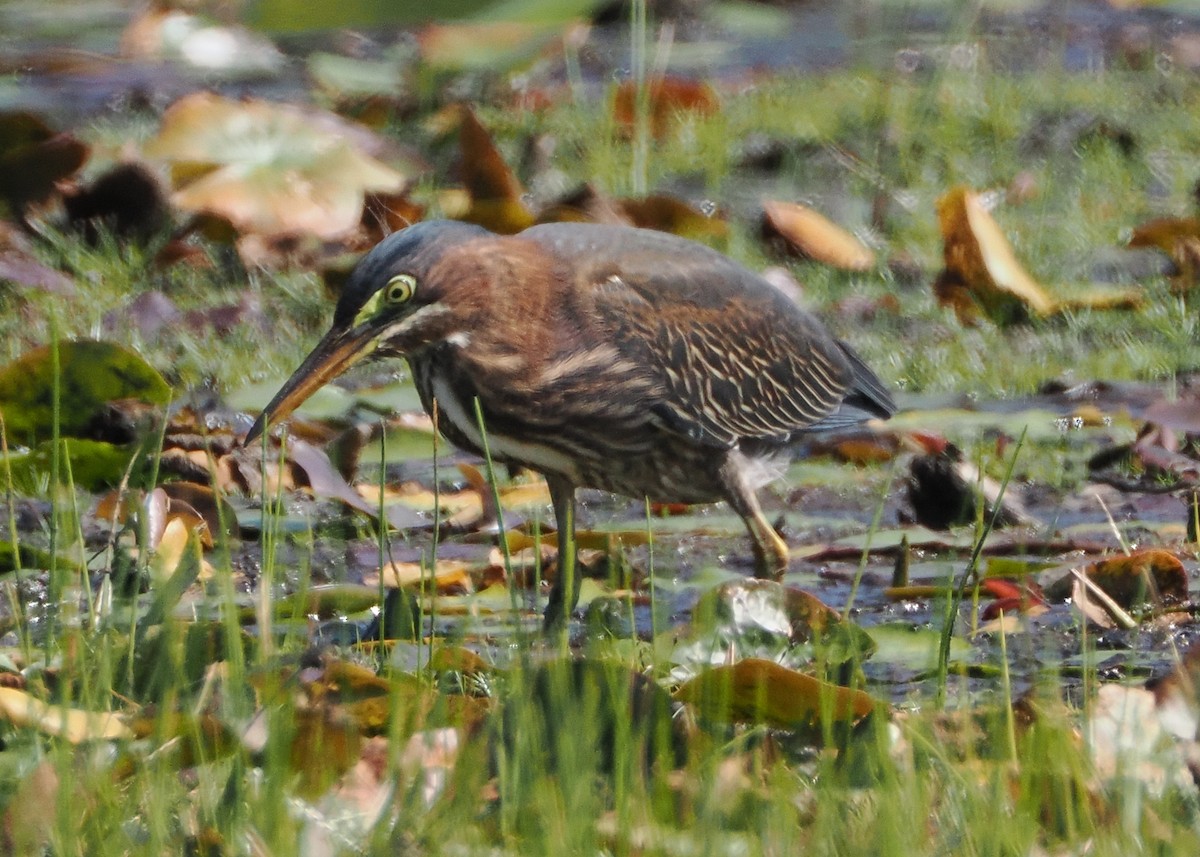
(400, 289)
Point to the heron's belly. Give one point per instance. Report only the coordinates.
(631, 458)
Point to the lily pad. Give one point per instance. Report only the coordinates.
(912, 647)
(94, 464)
(90, 375)
(12, 558)
(270, 168)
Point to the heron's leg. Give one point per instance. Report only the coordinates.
(564, 594)
(770, 550)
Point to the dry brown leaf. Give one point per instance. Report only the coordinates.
(668, 98)
(1179, 238)
(325, 481)
(584, 204)
(385, 213)
(172, 547)
(1141, 575)
(982, 274)
(670, 214)
(449, 577)
(494, 190)
(1101, 612)
(809, 234)
(201, 500)
(761, 691)
(34, 158)
(977, 254)
(1129, 580)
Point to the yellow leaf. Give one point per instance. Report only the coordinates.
(447, 575)
(811, 235)
(171, 548)
(762, 691)
(70, 724)
(982, 273)
(1179, 238)
(977, 253)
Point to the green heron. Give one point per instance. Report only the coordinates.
(622, 359)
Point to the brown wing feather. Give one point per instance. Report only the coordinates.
(735, 357)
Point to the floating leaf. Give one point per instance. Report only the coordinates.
(161, 33)
(667, 100)
(758, 607)
(294, 16)
(492, 187)
(30, 557)
(1133, 579)
(90, 375)
(810, 235)
(486, 45)
(1179, 238)
(325, 481)
(33, 159)
(912, 647)
(671, 214)
(448, 577)
(94, 464)
(982, 274)
(270, 168)
(761, 691)
(71, 724)
(355, 80)
(328, 601)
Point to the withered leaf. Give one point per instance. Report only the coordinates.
(983, 277)
(806, 233)
(33, 159)
(755, 690)
(270, 168)
(492, 187)
(670, 214)
(1142, 576)
(667, 99)
(71, 724)
(1179, 238)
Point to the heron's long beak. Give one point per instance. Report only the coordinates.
(334, 354)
